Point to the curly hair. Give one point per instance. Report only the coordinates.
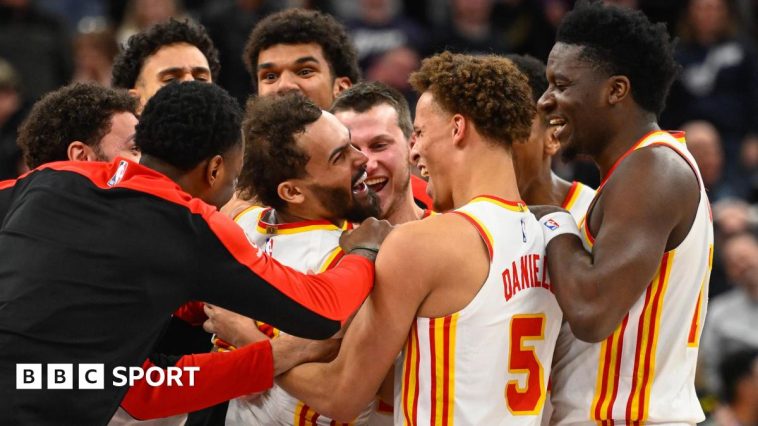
(488, 90)
(534, 70)
(128, 64)
(299, 26)
(77, 112)
(271, 151)
(621, 41)
(362, 97)
(186, 123)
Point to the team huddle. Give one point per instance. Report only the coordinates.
(355, 265)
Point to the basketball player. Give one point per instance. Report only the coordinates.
(479, 333)
(532, 160)
(634, 286)
(118, 215)
(166, 52)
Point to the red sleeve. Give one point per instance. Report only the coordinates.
(192, 313)
(221, 376)
(418, 186)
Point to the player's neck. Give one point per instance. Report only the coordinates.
(287, 215)
(544, 189)
(486, 172)
(560, 189)
(405, 210)
(623, 139)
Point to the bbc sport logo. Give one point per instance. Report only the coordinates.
(92, 376)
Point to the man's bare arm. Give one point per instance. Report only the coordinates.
(343, 388)
(650, 199)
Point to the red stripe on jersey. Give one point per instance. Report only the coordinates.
(479, 229)
(617, 368)
(637, 354)
(446, 372)
(433, 367)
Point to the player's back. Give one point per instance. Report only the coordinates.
(489, 362)
(644, 371)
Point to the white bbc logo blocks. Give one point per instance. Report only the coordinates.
(28, 376)
(60, 376)
(91, 376)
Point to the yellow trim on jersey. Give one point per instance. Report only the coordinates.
(330, 258)
(443, 400)
(299, 229)
(645, 368)
(606, 388)
(243, 212)
(694, 341)
(410, 378)
(519, 207)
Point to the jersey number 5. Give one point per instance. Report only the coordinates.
(523, 360)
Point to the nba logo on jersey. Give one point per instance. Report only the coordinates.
(552, 224)
(119, 173)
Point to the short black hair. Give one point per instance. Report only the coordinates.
(622, 41)
(77, 112)
(733, 369)
(271, 151)
(362, 97)
(534, 70)
(300, 26)
(128, 64)
(186, 123)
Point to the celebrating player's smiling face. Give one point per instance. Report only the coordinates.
(334, 186)
(377, 135)
(573, 102)
(432, 131)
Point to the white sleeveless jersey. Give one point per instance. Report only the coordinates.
(645, 371)
(309, 247)
(489, 363)
(578, 200)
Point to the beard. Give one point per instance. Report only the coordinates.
(342, 204)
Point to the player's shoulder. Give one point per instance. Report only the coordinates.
(436, 236)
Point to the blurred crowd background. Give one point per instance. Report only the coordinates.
(45, 44)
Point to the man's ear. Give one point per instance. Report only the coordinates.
(619, 89)
(134, 92)
(340, 84)
(289, 191)
(214, 169)
(459, 128)
(80, 151)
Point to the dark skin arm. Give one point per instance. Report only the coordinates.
(646, 209)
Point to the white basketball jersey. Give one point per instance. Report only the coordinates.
(578, 200)
(645, 371)
(309, 247)
(489, 363)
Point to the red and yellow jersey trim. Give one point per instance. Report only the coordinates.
(307, 416)
(606, 388)
(245, 211)
(481, 228)
(678, 136)
(442, 333)
(647, 342)
(516, 206)
(693, 338)
(296, 227)
(410, 384)
(572, 195)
